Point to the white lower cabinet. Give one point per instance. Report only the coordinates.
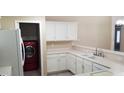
(97, 67)
(52, 63)
(79, 65)
(71, 63)
(75, 64)
(87, 66)
(62, 62)
(56, 62)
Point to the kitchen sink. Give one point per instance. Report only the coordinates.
(92, 57)
(87, 55)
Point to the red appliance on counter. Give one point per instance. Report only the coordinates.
(31, 55)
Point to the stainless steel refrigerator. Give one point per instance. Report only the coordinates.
(12, 52)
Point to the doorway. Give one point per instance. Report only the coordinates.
(119, 38)
(30, 33)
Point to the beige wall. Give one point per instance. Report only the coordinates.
(94, 31)
(8, 22)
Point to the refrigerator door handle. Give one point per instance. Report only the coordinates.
(23, 53)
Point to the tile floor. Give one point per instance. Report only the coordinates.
(36, 73)
(66, 73)
(32, 73)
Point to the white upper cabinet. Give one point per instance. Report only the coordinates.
(61, 31)
(72, 31)
(50, 29)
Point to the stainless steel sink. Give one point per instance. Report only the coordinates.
(92, 57)
(87, 55)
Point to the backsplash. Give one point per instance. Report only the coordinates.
(112, 55)
(59, 44)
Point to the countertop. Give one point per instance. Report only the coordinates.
(5, 71)
(117, 68)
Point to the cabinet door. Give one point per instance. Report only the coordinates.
(62, 62)
(96, 67)
(72, 31)
(80, 65)
(50, 31)
(61, 31)
(52, 63)
(71, 63)
(87, 66)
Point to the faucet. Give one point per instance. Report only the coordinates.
(99, 53)
(96, 54)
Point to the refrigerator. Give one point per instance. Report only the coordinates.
(12, 52)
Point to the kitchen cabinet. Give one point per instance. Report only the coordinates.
(52, 63)
(79, 65)
(50, 31)
(96, 67)
(62, 62)
(71, 63)
(61, 31)
(72, 31)
(56, 62)
(87, 66)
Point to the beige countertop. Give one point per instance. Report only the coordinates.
(117, 68)
(6, 70)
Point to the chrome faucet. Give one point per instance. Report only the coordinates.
(96, 54)
(99, 53)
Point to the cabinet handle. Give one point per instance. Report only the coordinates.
(82, 68)
(92, 67)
